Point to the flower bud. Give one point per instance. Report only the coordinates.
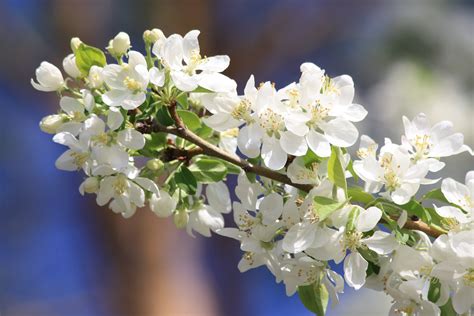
(90, 185)
(163, 205)
(152, 36)
(119, 45)
(181, 218)
(50, 124)
(49, 78)
(69, 65)
(75, 43)
(155, 164)
(96, 77)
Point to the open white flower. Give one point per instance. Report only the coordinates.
(188, 70)
(458, 269)
(461, 195)
(207, 217)
(432, 142)
(126, 191)
(393, 170)
(127, 82)
(228, 109)
(49, 78)
(321, 110)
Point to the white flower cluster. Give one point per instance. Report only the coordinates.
(401, 169)
(314, 113)
(162, 130)
(93, 123)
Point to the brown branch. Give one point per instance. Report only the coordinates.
(422, 226)
(209, 149)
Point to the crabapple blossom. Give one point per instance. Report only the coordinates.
(165, 130)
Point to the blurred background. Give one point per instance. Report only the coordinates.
(61, 255)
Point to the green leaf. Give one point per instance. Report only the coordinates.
(164, 117)
(358, 195)
(352, 217)
(88, 56)
(185, 180)
(201, 90)
(314, 297)
(448, 310)
(434, 291)
(231, 168)
(435, 194)
(204, 131)
(415, 208)
(208, 170)
(155, 142)
(335, 170)
(183, 100)
(350, 167)
(190, 119)
(310, 158)
(324, 206)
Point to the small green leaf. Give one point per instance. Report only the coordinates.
(350, 167)
(155, 142)
(415, 208)
(447, 309)
(88, 56)
(314, 297)
(310, 158)
(335, 170)
(185, 180)
(204, 131)
(201, 90)
(352, 218)
(208, 170)
(190, 119)
(358, 195)
(231, 168)
(164, 117)
(434, 291)
(324, 206)
(183, 100)
(435, 194)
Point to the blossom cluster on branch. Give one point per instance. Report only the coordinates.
(163, 129)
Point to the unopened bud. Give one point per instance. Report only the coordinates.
(181, 218)
(152, 36)
(69, 65)
(75, 43)
(90, 185)
(119, 45)
(50, 124)
(155, 164)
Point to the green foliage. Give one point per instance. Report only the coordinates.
(415, 208)
(357, 194)
(310, 158)
(163, 116)
(314, 297)
(88, 56)
(190, 119)
(434, 291)
(435, 194)
(155, 142)
(335, 170)
(448, 310)
(182, 99)
(324, 206)
(208, 170)
(185, 180)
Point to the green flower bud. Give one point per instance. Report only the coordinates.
(181, 218)
(152, 36)
(155, 164)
